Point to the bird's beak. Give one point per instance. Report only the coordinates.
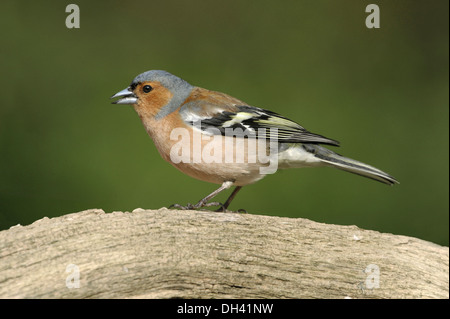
(126, 97)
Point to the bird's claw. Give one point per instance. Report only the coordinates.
(200, 204)
(221, 209)
(224, 210)
(189, 206)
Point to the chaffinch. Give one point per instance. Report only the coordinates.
(219, 139)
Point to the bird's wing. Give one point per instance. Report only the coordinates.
(218, 113)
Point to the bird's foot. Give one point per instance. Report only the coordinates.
(221, 208)
(189, 206)
(197, 206)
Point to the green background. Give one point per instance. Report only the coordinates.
(383, 93)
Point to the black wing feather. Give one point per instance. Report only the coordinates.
(250, 121)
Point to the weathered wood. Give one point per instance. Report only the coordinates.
(188, 254)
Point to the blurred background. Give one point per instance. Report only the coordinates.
(383, 93)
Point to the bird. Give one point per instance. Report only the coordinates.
(217, 138)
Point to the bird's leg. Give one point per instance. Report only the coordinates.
(204, 202)
(224, 207)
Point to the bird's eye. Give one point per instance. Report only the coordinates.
(147, 88)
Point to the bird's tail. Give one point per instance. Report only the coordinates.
(347, 164)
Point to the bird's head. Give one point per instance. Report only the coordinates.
(155, 93)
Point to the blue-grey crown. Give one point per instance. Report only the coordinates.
(170, 81)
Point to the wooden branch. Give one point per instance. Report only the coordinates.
(189, 254)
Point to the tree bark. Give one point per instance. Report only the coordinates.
(197, 254)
